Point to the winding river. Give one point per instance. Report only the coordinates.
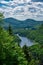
(25, 41)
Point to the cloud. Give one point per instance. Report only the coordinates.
(22, 10)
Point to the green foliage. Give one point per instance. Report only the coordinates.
(34, 54)
(11, 53)
(37, 35)
(37, 53)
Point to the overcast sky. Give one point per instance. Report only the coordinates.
(22, 9)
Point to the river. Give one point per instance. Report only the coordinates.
(25, 41)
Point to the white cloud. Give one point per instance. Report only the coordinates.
(22, 10)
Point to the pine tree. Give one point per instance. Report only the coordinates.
(10, 30)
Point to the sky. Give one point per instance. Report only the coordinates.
(22, 9)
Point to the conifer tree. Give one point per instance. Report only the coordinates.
(10, 30)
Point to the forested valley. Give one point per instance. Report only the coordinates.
(10, 51)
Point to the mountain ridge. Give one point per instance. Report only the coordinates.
(22, 20)
(21, 24)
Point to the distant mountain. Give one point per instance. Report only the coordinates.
(29, 23)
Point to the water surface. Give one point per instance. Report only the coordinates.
(25, 41)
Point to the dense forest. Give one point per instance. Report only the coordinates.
(10, 51)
